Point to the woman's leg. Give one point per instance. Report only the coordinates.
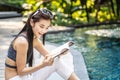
(43, 73)
(73, 77)
(65, 70)
(15, 78)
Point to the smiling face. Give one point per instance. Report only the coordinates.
(41, 27)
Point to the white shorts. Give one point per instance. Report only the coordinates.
(58, 66)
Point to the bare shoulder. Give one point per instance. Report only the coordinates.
(20, 42)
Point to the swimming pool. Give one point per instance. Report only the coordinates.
(101, 54)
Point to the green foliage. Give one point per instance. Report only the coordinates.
(69, 12)
(16, 3)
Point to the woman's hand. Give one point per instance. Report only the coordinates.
(48, 60)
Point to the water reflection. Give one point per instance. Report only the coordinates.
(101, 54)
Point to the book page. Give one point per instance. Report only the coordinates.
(61, 49)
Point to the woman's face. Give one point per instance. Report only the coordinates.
(41, 27)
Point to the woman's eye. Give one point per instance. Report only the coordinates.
(41, 27)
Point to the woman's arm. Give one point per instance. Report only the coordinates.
(40, 47)
(21, 47)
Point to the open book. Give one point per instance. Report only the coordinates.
(61, 49)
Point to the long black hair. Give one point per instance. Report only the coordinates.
(35, 16)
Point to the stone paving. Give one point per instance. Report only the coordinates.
(9, 14)
(11, 26)
(110, 33)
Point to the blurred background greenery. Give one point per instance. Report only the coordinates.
(70, 12)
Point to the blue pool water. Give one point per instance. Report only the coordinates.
(101, 54)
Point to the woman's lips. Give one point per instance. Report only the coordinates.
(40, 34)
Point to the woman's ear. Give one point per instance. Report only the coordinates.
(31, 23)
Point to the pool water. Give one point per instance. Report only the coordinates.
(101, 54)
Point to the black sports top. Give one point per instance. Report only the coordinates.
(12, 54)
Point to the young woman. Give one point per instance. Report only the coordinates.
(21, 52)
